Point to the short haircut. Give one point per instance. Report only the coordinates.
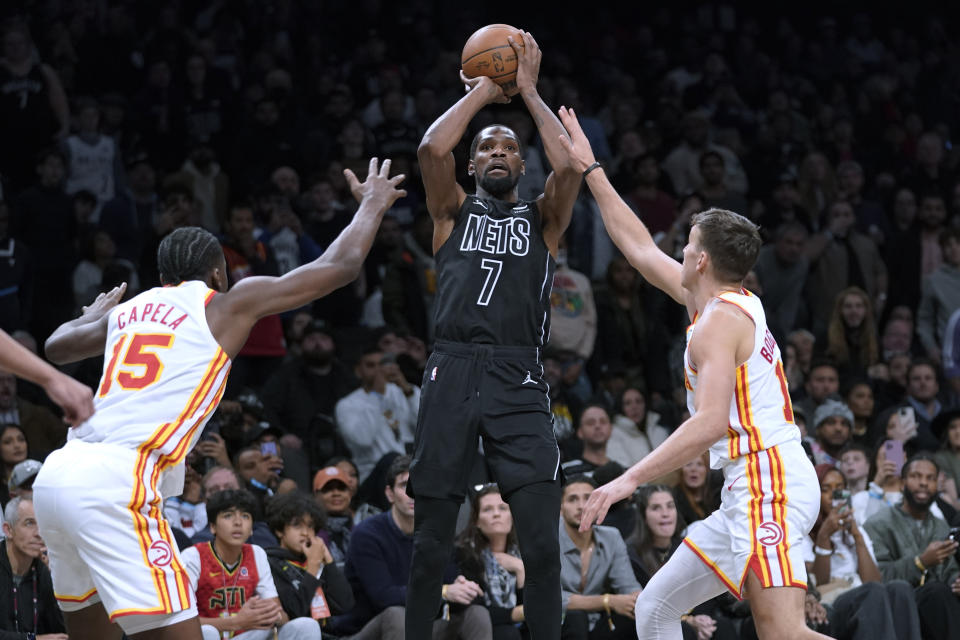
(596, 404)
(476, 139)
(918, 457)
(239, 499)
(580, 478)
(188, 253)
(824, 362)
(218, 469)
(294, 508)
(11, 514)
(731, 240)
(922, 362)
(398, 467)
(856, 446)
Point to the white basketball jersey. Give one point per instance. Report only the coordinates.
(163, 375)
(761, 415)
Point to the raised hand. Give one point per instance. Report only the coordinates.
(104, 302)
(577, 146)
(486, 87)
(378, 188)
(528, 60)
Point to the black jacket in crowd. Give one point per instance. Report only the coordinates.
(49, 619)
(296, 587)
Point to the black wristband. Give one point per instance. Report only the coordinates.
(595, 165)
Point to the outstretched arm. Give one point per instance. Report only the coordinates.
(563, 183)
(714, 349)
(233, 313)
(625, 228)
(86, 336)
(74, 398)
(437, 166)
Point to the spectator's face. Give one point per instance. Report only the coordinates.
(850, 180)
(860, 401)
(832, 481)
(785, 195)
(854, 465)
(953, 434)
(634, 405)
(494, 517)
(13, 446)
(323, 194)
(389, 234)
(287, 181)
(241, 224)
(661, 514)
(897, 336)
(904, 207)
(594, 427)
(841, 214)
(648, 173)
(804, 345)
(220, 480)
(368, 370)
(397, 496)
(711, 168)
(575, 498)
(789, 248)
(353, 480)
(834, 431)
(694, 473)
(821, 383)
(922, 383)
(51, 171)
(232, 527)
(253, 465)
(318, 348)
(853, 310)
(899, 365)
(933, 212)
(951, 251)
(929, 150)
(335, 497)
(297, 535)
(393, 106)
(103, 247)
(552, 372)
(622, 276)
(920, 484)
(8, 390)
(89, 119)
(24, 535)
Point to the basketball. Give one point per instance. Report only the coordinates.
(488, 53)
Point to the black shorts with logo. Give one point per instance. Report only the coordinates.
(472, 390)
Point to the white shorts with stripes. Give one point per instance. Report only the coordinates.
(770, 500)
(100, 516)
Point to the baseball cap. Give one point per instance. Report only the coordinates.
(831, 408)
(328, 475)
(24, 471)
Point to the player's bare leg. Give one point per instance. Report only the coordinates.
(778, 612)
(91, 623)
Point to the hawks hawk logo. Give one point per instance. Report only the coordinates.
(769, 534)
(160, 554)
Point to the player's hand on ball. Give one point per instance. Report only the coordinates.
(576, 145)
(528, 60)
(487, 87)
(603, 498)
(104, 302)
(379, 189)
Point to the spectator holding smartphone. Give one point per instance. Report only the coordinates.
(911, 544)
(839, 554)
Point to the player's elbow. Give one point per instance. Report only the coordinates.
(429, 148)
(56, 351)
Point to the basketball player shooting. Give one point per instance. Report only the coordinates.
(168, 351)
(739, 409)
(495, 257)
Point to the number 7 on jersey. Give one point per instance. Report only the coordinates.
(493, 268)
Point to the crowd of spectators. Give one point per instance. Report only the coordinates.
(120, 121)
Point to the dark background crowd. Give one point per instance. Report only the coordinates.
(829, 127)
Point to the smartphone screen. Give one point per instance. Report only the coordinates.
(268, 448)
(893, 450)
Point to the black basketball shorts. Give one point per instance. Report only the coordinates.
(495, 392)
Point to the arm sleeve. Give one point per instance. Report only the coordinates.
(190, 558)
(266, 588)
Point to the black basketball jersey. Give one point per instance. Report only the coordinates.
(494, 276)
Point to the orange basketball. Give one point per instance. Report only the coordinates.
(488, 53)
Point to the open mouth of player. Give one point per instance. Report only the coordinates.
(498, 168)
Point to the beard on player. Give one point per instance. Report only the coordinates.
(498, 186)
